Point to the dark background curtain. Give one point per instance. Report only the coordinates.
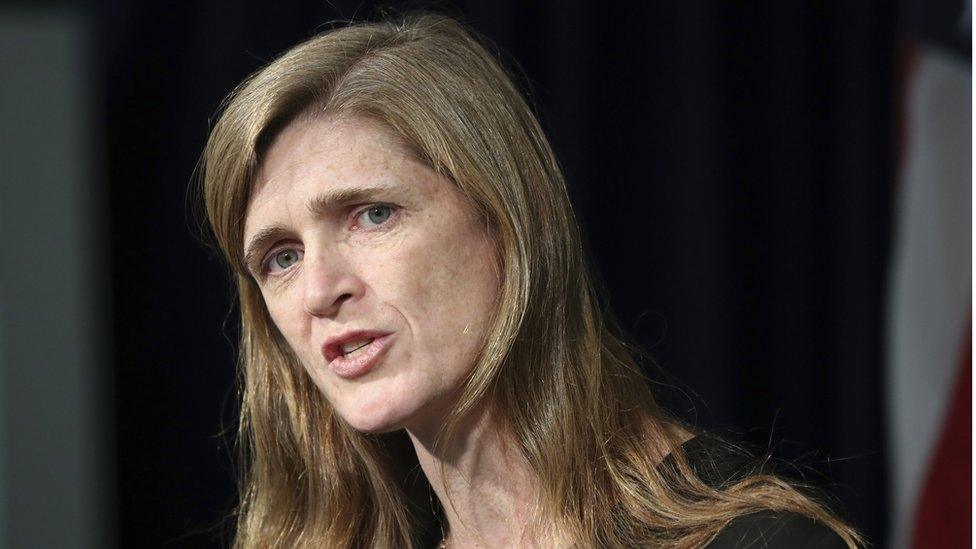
(731, 165)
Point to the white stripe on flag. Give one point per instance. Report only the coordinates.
(930, 288)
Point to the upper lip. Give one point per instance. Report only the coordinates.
(332, 348)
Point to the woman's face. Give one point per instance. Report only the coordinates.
(372, 267)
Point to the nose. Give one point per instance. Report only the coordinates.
(329, 284)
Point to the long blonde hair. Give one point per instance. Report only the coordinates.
(590, 430)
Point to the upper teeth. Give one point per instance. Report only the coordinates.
(353, 345)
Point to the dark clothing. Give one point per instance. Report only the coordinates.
(717, 465)
(776, 531)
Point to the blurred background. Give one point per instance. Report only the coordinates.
(777, 196)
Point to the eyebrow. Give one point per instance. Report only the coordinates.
(318, 206)
(258, 242)
(327, 201)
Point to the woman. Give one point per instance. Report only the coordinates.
(413, 292)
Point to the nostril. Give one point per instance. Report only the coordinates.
(324, 305)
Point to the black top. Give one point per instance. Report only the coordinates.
(717, 465)
(776, 531)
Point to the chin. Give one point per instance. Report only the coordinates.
(380, 417)
(373, 426)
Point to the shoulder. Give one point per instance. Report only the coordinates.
(776, 530)
(719, 465)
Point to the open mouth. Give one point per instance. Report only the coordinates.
(358, 353)
(354, 347)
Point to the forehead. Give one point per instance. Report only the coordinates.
(326, 153)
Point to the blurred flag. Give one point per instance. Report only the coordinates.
(929, 332)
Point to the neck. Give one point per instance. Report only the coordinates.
(483, 483)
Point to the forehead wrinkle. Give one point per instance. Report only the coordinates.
(294, 169)
(262, 192)
(306, 142)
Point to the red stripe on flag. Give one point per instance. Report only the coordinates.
(944, 516)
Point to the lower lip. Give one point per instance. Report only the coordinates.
(364, 360)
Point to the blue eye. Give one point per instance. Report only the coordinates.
(284, 259)
(375, 215)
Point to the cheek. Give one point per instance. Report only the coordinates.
(288, 316)
(449, 286)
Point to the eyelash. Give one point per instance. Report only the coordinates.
(393, 211)
(265, 269)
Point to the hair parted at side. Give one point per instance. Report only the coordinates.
(590, 430)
